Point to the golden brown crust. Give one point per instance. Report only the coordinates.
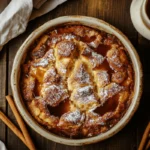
(28, 86)
(71, 122)
(77, 81)
(41, 113)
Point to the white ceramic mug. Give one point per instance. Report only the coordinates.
(144, 13)
(140, 18)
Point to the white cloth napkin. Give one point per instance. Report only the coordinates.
(2, 146)
(15, 16)
(38, 3)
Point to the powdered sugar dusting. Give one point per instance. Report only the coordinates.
(82, 75)
(52, 72)
(85, 94)
(42, 63)
(93, 44)
(94, 119)
(96, 59)
(87, 50)
(50, 55)
(109, 91)
(51, 76)
(96, 42)
(65, 48)
(103, 78)
(69, 36)
(115, 59)
(85, 90)
(62, 68)
(54, 94)
(73, 117)
(55, 40)
(65, 36)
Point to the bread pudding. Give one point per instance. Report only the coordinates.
(77, 81)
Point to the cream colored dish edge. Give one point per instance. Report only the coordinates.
(91, 22)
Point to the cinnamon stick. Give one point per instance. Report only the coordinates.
(145, 137)
(21, 123)
(4, 118)
(148, 145)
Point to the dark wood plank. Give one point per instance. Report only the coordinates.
(13, 142)
(143, 113)
(3, 65)
(143, 49)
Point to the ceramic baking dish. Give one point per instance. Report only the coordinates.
(94, 23)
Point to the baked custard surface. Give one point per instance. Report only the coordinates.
(76, 81)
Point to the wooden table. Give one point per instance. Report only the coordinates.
(115, 12)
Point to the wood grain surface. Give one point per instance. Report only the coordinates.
(115, 12)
